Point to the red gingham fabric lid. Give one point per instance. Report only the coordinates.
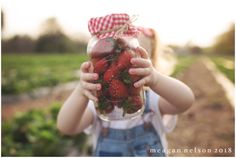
(112, 25)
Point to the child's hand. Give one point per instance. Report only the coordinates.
(86, 78)
(142, 67)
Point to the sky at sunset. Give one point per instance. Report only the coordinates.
(178, 22)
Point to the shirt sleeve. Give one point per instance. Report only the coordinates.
(168, 122)
(91, 128)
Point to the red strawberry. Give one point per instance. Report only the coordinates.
(135, 104)
(109, 108)
(118, 90)
(127, 78)
(103, 46)
(105, 107)
(111, 73)
(136, 101)
(101, 66)
(134, 78)
(134, 91)
(103, 93)
(131, 110)
(124, 59)
(95, 60)
(106, 93)
(99, 94)
(117, 103)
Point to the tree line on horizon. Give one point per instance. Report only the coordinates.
(225, 42)
(51, 40)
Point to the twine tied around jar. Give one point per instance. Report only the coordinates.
(119, 30)
(114, 25)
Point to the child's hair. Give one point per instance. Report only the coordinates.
(149, 40)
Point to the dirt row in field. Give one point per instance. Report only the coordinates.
(207, 128)
(11, 108)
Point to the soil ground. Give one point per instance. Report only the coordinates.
(208, 126)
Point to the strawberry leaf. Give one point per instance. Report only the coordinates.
(125, 106)
(101, 105)
(99, 80)
(126, 77)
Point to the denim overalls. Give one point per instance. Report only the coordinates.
(140, 140)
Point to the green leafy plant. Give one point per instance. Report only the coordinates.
(26, 72)
(225, 64)
(183, 63)
(34, 133)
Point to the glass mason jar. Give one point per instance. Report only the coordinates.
(118, 99)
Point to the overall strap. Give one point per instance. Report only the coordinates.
(147, 103)
(104, 127)
(147, 123)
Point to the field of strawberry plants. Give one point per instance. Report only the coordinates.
(34, 133)
(225, 64)
(183, 63)
(23, 73)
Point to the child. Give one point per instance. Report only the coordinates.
(141, 136)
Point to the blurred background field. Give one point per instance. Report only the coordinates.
(25, 72)
(224, 63)
(48, 55)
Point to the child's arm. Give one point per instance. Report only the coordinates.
(74, 117)
(176, 97)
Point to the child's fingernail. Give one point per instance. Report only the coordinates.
(131, 71)
(95, 76)
(132, 60)
(98, 87)
(88, 64)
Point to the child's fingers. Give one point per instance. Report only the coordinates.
(91, 68)
(90, 95)
(140, 62)
(142, 82)
(140, 71)
(89, 76)
(85, 66)
(90, 86)
(143, 53)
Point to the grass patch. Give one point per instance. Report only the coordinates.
(23, 73)
(225, 64)
(183, 63)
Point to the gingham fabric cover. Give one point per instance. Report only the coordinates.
(98, 25)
